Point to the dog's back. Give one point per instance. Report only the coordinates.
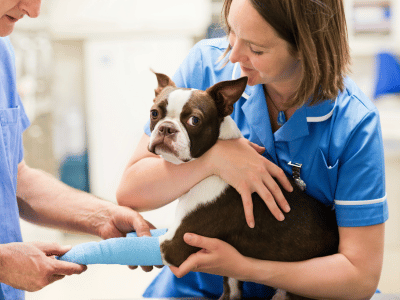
(309, 229)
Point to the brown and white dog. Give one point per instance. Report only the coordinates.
(185, 123)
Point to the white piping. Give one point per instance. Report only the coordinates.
(234, 71)
(309, 119)
(322, 118)
(360, 202)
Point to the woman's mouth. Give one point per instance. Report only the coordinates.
(246, 69)
(12, 19)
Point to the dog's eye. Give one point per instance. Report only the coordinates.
(154, 114)
(193, 121)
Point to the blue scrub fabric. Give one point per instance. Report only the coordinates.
(387, 74)
(339, 144)
(13, 121)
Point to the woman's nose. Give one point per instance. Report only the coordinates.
(30, 7)
(237, 54)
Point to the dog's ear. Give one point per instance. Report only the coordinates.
(163, 81)
(226, 93)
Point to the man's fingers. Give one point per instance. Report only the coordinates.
(51, 249)
(141, 226)
(67, 268)
(55, 277)
(147, 268)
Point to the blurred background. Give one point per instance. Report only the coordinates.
(84, 78)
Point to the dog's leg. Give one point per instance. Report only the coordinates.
(290, 296)
(232, 289)
(280, 295)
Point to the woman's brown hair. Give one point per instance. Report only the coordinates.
(316, 30)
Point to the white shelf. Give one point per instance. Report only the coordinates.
(82, 19)
(370, 44)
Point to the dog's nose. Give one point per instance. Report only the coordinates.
(167, 129)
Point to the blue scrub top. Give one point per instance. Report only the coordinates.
(339, 144)
(13, 121)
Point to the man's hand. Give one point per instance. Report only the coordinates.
(122, 221)
(32, 266)
(215, 257)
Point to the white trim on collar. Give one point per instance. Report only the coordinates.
(309, 119)
(322, 118)
(234, 71)
(360, 202)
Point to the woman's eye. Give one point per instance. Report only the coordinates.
(193, 121)
(154, 114)
(256, 52)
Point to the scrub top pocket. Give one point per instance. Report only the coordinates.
(324, 188)
(10, 140)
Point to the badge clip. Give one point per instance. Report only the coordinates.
(296, 168)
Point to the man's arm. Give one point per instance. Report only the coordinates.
(44, 200)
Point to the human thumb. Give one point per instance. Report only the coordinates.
(199, 241)
(51, 249)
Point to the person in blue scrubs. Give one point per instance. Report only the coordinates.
(299, 108)
(36, 196)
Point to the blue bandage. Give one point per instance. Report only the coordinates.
(132, 251)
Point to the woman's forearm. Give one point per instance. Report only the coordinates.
(353, 273)
(153, 182)
(331, 277)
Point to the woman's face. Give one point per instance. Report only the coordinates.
(13, 10)
(263, 56)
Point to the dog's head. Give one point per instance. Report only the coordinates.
(185, 123)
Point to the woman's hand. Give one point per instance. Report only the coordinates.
(216, 257)
(32, 266)
(239, 163)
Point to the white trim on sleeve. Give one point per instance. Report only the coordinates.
(361, 202)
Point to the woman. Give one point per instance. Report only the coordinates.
(301, 108)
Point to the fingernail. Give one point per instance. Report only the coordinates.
(281, 217)
(252, 224)
(287, 208)
(188, 237)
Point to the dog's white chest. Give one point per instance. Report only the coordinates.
(204, 192)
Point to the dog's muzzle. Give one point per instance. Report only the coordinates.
(164, 135)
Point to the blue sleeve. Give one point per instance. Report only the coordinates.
(190, 72)
(360, 197)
